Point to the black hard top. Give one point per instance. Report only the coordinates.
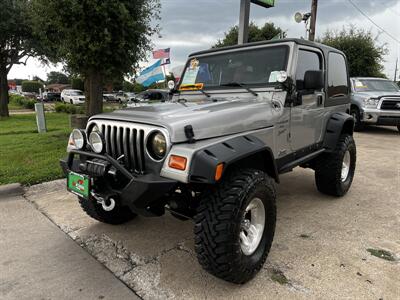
(322, 47)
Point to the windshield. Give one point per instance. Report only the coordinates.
(369, 85)
(256, 67)
(76, 93)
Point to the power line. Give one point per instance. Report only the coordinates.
(372, 21)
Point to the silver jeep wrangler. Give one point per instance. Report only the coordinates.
(240, 117)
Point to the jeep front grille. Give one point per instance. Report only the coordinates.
(126, 142)
(392, 103)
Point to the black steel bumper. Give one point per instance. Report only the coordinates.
(140, 193)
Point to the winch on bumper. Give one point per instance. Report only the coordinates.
(109, 178)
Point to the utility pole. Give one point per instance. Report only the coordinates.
(244, 21)
(395, 71)
(314, 6)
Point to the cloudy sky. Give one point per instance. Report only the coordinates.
(188, 26)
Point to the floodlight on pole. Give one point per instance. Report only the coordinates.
(299, 17)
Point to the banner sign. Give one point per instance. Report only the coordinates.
(264, 3)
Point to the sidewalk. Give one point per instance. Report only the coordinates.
(39, 261)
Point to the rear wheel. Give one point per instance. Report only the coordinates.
(334, 171)
(235, 225)
(117, 215)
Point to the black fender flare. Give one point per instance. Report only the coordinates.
(338, 124)
(242, 149)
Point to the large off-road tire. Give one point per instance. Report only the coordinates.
(358, 124)
(119, 215)
(398, 127)
(334, 171)
(224, 244)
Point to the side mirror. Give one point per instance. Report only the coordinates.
(313, 80)
(171, 85)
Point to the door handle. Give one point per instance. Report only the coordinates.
(319, 100)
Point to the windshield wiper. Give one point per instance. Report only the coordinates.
(201, 90)
(233, 83)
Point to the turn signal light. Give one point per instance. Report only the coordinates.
(177, 162)
(218, 171)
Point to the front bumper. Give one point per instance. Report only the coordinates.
(381, 117)
(141, 192)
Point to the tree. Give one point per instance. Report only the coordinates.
(57, 77)
(16, 43)
(77, 83)
(364, 56)
(31, 86)
(256, 34)
(97, 39)
(132, 87)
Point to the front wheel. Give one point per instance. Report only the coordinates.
(235, 225)
(117, 215)
(334, 171)
(358, 124)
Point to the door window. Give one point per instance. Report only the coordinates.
(337, 76)
(307, 61)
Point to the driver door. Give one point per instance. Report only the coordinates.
(306, 118)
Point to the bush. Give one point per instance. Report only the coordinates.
(22, 101)
(31, 86)
(69, 108)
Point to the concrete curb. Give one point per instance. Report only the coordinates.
(13, 189)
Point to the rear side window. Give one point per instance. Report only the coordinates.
(337, 76)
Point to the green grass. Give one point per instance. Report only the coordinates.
(386, 255)
(27, 156)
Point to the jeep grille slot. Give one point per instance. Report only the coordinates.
(126, 139)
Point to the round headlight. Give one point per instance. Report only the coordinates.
(78, 138)
(96, 141)
(157, 145)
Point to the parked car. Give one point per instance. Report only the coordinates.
(241, 117)
(51, 96)
(30, 95)
(149, 97)
(154, 95)
(375, 101)
(109, 97)
(125, 96)
(72, 96)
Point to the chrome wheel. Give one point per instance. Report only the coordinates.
(252, 226)
(346, 166)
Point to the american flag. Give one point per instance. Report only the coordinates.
(166, 61)
(161, 53)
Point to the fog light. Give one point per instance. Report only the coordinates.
(96, 142)
(77, 139)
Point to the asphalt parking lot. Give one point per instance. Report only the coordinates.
(322, 246)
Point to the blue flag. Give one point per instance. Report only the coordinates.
(151, 74)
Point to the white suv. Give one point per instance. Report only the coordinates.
(72, 96)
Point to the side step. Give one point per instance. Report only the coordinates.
(290, 166)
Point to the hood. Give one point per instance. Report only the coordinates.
(208, 119)
(376, 94)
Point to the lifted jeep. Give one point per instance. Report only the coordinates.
(239, 118)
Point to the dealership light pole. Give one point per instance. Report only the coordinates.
(245, 15)
(313, 21)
